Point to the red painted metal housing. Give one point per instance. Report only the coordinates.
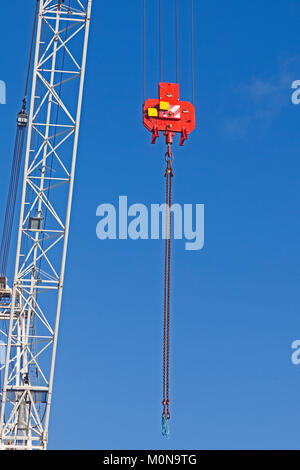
(179, 117)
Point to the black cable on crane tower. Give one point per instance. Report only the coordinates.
(11, 200)
(16, 166)
(31, 51)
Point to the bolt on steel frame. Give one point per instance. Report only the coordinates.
(30, 319)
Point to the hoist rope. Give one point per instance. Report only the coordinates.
(159, 33)
(192, 48)
(176, 28)
(15, 170)
(31, 51)
(144, 50)
(11, 199)
(169, 174)
(176, 44)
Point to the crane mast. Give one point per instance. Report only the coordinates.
(30, 314)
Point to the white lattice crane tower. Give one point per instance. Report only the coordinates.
(30, 316)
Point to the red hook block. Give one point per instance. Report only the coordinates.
(168, 114)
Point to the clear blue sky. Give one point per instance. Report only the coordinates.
(236, 303)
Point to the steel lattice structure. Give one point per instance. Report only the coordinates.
(30, 319)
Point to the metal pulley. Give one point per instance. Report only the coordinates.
(22, 119)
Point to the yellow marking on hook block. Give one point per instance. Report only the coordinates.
(164, 105)
(152, 112)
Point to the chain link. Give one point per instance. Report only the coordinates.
(169, 174)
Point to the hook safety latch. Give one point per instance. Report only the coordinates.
(155, 134)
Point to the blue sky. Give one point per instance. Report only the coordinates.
(235, 304)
